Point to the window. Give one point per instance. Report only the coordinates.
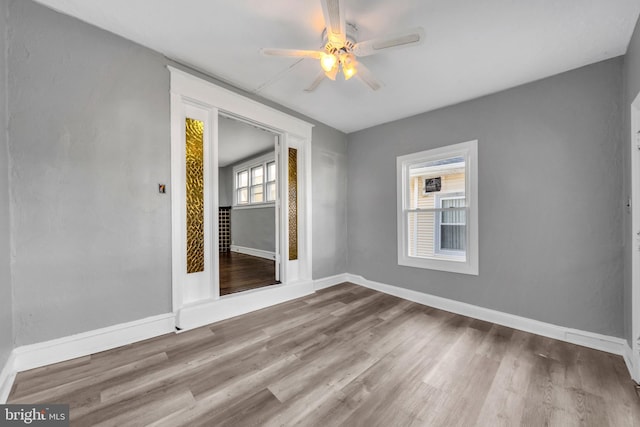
(450, 225)
(438, 209)
(242, 184)
(271, 182)
(255, 182)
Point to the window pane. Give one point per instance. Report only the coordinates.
(421, 234)
(271, 191)
(452, 237)
(243, 179)
(257, 194)
(194, 146)
(271, 171)
(427, 179)
(452, 203)
(242, 196)
(429, 238)
(456, 217)
(292, 199)
(257, 175)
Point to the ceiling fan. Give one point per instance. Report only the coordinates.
(341, 47)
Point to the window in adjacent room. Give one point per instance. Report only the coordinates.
(255, 181)
(271, 182)
(438, 209)
(242, 185)
(257, 184)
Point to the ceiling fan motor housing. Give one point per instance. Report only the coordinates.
(337, 48)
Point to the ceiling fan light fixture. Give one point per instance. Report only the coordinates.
(328, 62)
(349, 72)
(349, 66)
(342, 47)
(332, 73)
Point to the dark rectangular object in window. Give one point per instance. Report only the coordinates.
(432, 184)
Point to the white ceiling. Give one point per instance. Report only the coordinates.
(472, 48)
(239, 141)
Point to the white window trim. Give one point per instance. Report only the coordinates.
(247, 166)
(468, 150)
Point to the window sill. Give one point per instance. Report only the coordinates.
(449, 264)
(255, 206)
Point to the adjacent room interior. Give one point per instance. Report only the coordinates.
(247, 180)
(330, 212)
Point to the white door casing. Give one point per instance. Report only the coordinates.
(635, 238)
(201, 285)
(279, 196)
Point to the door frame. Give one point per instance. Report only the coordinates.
(279, 196)
(635, 238)
(296, 275)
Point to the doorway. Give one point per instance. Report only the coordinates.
(247, 199)
(197, 107)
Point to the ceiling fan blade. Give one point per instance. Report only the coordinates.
(333, 11)
(316, 54)
(408, 38)
(313, 86)
(365, 76)
(278, 76)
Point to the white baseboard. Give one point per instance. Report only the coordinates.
(66, 348)
(254, 252)
(7, 376)
(605, 343)
(204, 313)
(45, 353)
(327, 282)
(631, 362)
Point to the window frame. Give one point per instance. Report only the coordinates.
(273, 181)
(467, 265)
(248, 167)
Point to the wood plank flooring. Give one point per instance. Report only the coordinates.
(241, 272)
(345, 356)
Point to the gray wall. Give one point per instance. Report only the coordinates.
(329, 199)
(254, 228)
(90, 141)
(550, 188)
(225, 186)
(631, 73)
(6, 320)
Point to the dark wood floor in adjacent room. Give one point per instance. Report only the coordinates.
(344, 356)
(241, 272)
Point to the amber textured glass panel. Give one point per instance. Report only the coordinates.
(293, 204)
(195, 195)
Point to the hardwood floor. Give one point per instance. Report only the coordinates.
(241, 272)
(347, 356)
